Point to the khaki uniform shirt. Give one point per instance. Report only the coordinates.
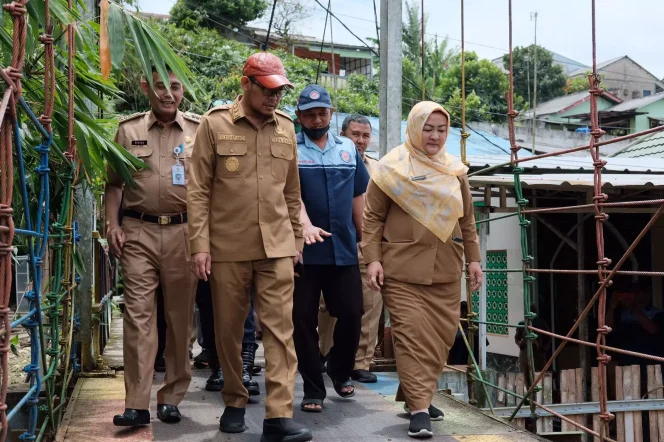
(244, 191)
(369, 163)
(153, 142)
(409, 251)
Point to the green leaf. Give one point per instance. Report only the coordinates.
(116, 32)
(178, 67)
(139, 46)
(157, 61)
(13, 344)
(79, 265)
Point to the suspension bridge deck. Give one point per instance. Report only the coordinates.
(372, 415)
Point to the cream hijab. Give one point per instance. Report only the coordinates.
(425, 186)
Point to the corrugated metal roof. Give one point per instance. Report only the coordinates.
(484, 144)
(651, 146)
(556, 105)
(636, 103)
(573, 164)
(571, 180)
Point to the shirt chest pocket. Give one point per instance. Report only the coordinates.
(232, 159)
(144, 154)
(282, 155)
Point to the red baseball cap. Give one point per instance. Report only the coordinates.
(267, 69)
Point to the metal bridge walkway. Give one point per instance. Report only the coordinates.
(372, 415)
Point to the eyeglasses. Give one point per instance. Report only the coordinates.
(282, 91)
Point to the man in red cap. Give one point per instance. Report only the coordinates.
(244, 223)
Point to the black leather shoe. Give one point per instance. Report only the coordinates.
(248, 356)
(160, 364)
(232, 421)
(284, 430)
(216, 381)
(205, 358)
(132, 418)
(364, 376)
(168, 413)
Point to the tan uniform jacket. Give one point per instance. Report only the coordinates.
(409, 251)
(369, 163)
(154, 143)
(244, 191)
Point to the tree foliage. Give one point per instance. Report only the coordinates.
(287, 17)
(475, 110)
(361, 96)
(484, 79)
(130, 38)
(217, 63)
(551, 80)
(190, 13)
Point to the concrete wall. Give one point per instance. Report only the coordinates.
(627, 80)
(560, 139)
(655, 109)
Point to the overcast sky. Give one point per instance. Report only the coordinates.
(624, 27)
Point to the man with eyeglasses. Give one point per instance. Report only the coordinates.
(244, 207)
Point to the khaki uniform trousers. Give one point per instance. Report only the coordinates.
(423, 321)
(373, 307)
(273, 302)
(156, 255)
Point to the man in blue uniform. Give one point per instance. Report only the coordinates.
(333, 180)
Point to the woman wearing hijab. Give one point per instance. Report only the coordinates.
(419, 222)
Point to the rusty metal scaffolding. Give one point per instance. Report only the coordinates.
(605, 271)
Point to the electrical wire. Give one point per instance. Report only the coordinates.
(322, 42)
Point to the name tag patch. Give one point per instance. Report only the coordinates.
(282, 140)
(139, 142)
(228, 137)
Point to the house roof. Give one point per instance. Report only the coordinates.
(571, 180)
(605, 64)
(306, 40)
(569, 164)
(650, 146)
(601, 65)
(564, 103)
(637, 103)
(479, 143)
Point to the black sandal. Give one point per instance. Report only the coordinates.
(338, 385)
(307, 401)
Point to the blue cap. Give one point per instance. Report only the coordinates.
(314, 96)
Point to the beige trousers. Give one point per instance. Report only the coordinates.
(273, 302)
(373, 307)
(423, 321)
(156, 255)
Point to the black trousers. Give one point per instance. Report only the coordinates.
(206, 315)
(342, 290)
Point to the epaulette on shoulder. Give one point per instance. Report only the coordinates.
(219, 108)
(192, 117)
(283, 114)
(126, 118)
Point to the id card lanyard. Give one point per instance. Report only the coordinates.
(178, 168)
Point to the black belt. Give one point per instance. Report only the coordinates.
(162, 220)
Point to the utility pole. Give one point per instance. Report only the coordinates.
(533, 15)
(390, 74)
(423, 85)
(334, 68)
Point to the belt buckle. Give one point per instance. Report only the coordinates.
(164, 220)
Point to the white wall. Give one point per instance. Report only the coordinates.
(505, 234)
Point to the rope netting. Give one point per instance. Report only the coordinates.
(51, 319)
(605, 271)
